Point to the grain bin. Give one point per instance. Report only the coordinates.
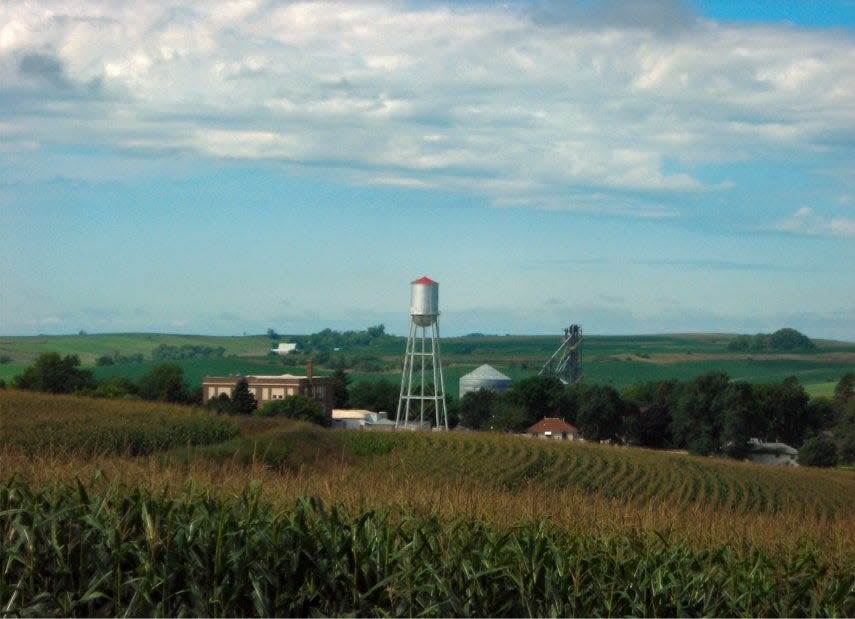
(484, 377)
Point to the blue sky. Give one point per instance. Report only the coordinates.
(644, 167)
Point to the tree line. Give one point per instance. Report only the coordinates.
(785, 339)
(54, 373)
(707, 415)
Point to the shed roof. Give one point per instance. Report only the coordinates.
(552, 424)
(772, 448)
(486, 372)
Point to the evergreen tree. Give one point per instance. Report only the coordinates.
(341, 395)
(243, 400)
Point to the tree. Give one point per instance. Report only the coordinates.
(299, 407)
(601, 414)
(844, 432)
(785, 406)
(243, 400)
(844, 390)
(164, 382)
(741, 421)
(55, 374)
(378, 331)
(341, 395)
(649, 425)
(818, 451)
(508, 416)
(222, 403)
(699, 413)
(115, 387)
(272, 334)
(821, 414)
(375, 395)
(537, 396)
(476, 408)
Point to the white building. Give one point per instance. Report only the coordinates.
(354, 419)
(772, 453)
(284, 348)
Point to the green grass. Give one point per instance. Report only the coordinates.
(90, 347)
(196, 369)
(821, 390)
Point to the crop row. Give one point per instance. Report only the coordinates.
(39, 422)
(641, 476)
(77, 551)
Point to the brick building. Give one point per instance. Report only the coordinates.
(269, 388)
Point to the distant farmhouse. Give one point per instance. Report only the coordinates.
(554, 428)
(284, 348)
(269, 388)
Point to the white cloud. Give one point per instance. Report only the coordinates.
(525, 110)
(806, 221)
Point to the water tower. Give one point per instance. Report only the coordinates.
(422, 384)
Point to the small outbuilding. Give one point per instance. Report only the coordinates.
(554, 428)
(772, 453)
(484, 377)
(353, 419)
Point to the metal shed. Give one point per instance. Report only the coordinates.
(484, 377)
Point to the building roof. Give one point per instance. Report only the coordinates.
(351, 413)
(553, 425)
(425, 280)
(772, 448)
(486, 372)
(236, 377)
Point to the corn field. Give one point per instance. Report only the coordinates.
(37, 422)
(181, 512)
(71, 551)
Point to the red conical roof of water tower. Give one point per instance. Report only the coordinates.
(427, 281)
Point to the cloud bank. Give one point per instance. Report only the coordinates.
(635, 109)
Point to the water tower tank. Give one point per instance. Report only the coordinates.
(424, 305)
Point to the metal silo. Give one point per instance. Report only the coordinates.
(484, 377)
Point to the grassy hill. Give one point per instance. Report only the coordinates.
(614, 360)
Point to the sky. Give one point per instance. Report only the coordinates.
(225, 168)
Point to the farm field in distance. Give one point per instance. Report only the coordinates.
(615, 360)
(251, 516)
